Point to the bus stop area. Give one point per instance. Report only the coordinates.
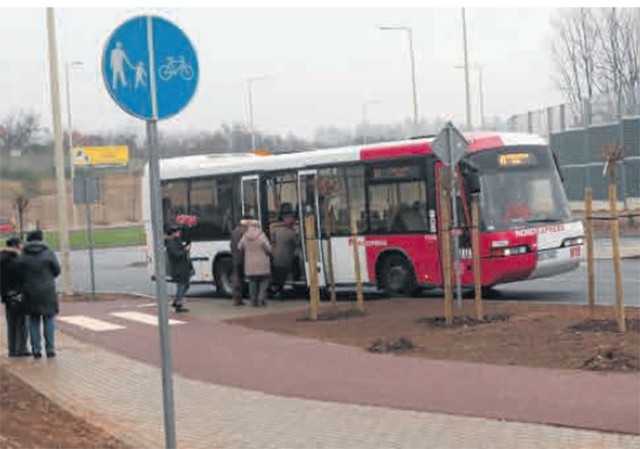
(238, 386)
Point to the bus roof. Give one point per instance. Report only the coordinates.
(214, 164)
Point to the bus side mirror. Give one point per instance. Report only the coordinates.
(470, 176)
(473, 183)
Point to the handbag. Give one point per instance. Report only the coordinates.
(14, 298)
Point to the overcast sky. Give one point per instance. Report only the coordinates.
(322, 64)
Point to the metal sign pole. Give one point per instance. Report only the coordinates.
(158, 250)
(87, 205)
(161, 284)
(454, 209)
(156, 44)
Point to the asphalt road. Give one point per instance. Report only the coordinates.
(121, 270)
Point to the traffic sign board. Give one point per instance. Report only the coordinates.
(106, 155)
(450, 145)
(150, 67)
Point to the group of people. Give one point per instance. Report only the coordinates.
(28, 291)
(266, 264)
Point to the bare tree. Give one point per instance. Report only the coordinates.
(17, 130)
(596, 51)
(617, 60)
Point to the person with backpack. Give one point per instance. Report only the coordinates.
(12, 298)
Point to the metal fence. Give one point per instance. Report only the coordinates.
(578, 134)
(599, 110)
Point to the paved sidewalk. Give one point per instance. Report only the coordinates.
(124, 396)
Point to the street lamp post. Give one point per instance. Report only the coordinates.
(250, 99)
(68, 67)
(365, 119)
(477, 67)
(409, 32)
(466, 69)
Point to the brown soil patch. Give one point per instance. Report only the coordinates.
(540, 335)
(30, 420)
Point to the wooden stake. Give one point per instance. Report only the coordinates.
(312, 255)
(615, 240)
(445, 229)
(591, 281)
(356, 262)
(475, 247)
(332, 282)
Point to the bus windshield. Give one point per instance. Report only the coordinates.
(520, 186)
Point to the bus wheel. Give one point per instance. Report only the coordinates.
(396, 276)
(223, 275)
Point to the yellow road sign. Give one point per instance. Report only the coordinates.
(106, 155)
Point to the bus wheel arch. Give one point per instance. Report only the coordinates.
(222, 274)
(395, 273)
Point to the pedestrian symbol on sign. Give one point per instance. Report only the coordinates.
(81, 158)
(150, 67)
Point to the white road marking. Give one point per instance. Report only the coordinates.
(90, 323)
(144, 318)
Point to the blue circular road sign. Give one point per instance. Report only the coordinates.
(150, 68)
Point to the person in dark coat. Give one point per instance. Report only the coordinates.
(285, 242)
(40, 267)
(180, 265)
(237, 259)
(10, 287)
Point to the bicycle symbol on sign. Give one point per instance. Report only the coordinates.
(174, 67)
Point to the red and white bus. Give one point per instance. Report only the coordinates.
(392, 188)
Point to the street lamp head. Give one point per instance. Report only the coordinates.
(257, 78)
(394, 27)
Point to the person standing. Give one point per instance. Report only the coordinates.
(257, 266)
(180, 265)
(11, 293)
(237, 259)
(40, 267)
(285, 242)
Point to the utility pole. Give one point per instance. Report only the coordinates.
(466, 70)
(414, 90)
(63, 227)
(68, 67)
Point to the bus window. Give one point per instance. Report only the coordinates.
(281, 196)
(211, 205)
(175, 200)
(341, 190)
(398, 207)
(397, 198)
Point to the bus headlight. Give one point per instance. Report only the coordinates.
(573, 241)
(511, 251)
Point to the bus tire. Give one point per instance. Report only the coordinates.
(223, 276)
(396, 276)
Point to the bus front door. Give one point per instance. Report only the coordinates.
(250, 191)
(309, 204)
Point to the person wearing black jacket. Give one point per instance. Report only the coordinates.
(40, 267)
(10, 291)
(180, 266)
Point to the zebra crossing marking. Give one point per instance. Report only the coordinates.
(144, 318)
(90, 323)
